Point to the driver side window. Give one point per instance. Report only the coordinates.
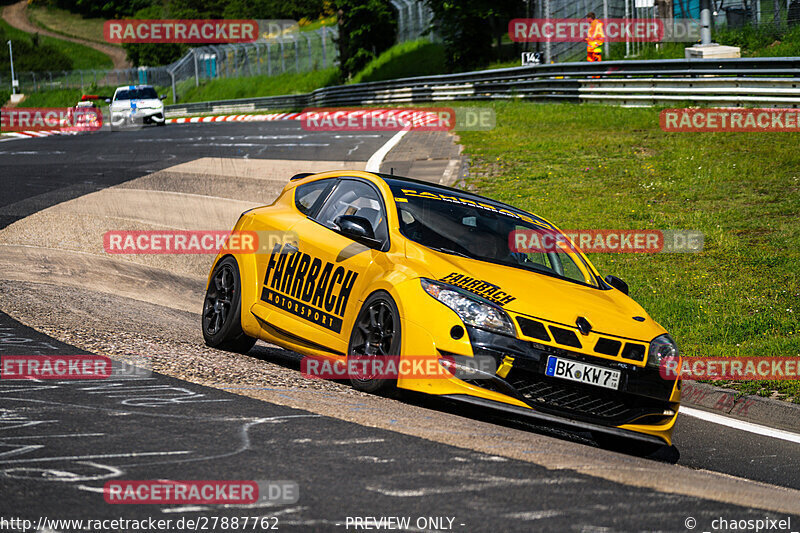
(356, 198)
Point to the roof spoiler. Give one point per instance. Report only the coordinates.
(302, 175)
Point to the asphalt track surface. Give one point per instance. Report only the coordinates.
(61, 441)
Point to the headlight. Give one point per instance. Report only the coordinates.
(472, 311)
(661, 348)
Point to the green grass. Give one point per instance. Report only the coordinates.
(613, 168)
(404, 60)
(763, 41)
(57, 98)
(67, 23)
(416, 58)
(229, 88)
(80, 57)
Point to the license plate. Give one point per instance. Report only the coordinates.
(582, 372)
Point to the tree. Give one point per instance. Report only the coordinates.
(154, 54)
(467, 28)
(366, 28)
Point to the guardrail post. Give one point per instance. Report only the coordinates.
(324, 48)
(196, 69)
(310, 59)
(705, 21)
(547, 47)
(627, 39)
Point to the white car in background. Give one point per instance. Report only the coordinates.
(134, 105)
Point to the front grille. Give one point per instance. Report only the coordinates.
(533, 329)
(565, 337)
(569, 397)
(607, 346)
(633, 351)
(580, 401)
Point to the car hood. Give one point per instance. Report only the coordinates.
(148, 103)
(540, 296)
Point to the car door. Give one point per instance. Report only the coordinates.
(320, 282)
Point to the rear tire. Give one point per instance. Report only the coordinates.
(222, 310)
(376, 332)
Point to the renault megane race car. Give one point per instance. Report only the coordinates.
(382, 265)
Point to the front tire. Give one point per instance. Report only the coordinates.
(222, 310)
(376, 333)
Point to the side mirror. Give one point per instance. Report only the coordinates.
(108, 100)
(617, 283)
(357, 228)
(162, 97)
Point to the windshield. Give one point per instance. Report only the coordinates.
(461, 226)
(136, 94)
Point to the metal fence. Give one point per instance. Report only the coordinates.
(558, 52)
(737, 13)
(296, 52)
(414, 19)
(764, 82)
(726, 14)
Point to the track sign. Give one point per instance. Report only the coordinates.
(531, 58)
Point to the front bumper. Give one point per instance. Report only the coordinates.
(642, 398)
(155, 118)
(141, 116)
(644, 407)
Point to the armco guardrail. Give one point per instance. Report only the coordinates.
(773, 82)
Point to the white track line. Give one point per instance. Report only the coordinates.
(740, 424)
(374, 163)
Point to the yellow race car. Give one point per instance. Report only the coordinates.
(377, 265)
